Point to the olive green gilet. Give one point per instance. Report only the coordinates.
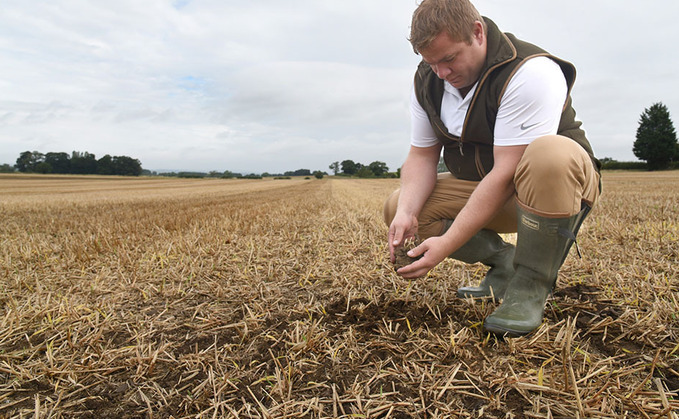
(470, 156)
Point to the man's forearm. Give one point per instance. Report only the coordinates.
(484, 203)
(417, 183)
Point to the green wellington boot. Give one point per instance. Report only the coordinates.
(488, 248)
(542, 246)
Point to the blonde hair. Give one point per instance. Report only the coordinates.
(456, 17)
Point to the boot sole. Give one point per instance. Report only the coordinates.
(503, 331)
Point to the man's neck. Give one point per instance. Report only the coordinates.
(463, 91)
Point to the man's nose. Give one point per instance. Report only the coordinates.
(441, 70)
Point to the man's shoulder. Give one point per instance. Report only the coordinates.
(542, 64)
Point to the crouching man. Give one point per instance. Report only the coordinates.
(500, 110)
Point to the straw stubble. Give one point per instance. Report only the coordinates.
(276, 298)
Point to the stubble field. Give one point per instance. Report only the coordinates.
(159, 298)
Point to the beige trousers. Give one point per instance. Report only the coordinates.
(553, 178)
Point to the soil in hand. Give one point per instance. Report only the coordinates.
(401, 253)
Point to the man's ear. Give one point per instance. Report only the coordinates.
(478, 34)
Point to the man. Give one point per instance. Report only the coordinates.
(500, 109)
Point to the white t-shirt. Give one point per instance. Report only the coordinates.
(530, 107)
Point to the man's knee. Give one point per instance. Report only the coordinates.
(554, 175)
(550, 156)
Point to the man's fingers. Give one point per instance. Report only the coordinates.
(394, 241)
(413, 271)
(396, 238)
(420, 267)
(417, 251)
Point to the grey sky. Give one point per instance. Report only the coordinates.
(266, 85)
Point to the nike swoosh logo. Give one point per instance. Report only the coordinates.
(525, 127)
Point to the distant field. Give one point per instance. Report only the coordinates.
(150, 297)
(29, 189)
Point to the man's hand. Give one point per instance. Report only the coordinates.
(402, 227)
(418, 178)
(483, 204)
(434, 249)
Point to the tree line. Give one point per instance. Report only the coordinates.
(351, 168)
(78, 163)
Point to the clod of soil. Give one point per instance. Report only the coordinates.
(401, 253)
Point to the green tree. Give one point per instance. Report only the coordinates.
(29, 160)
(83, 163)
(335, 167)
(105, 165)
(298, 172)
(656, 141)
(24, 161)
(318, 174)
(365, 172)
(378, 168)
(6, 168)
(349, 167)
(126, 166)
(59, 162)
(43, 167)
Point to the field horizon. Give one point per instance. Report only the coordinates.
(185, 298)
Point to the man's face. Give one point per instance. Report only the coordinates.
(457, 62)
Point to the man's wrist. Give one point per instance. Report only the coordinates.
(404, 212)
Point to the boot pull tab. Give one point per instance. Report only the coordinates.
(564, 232)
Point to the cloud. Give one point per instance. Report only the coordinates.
(276, 86)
